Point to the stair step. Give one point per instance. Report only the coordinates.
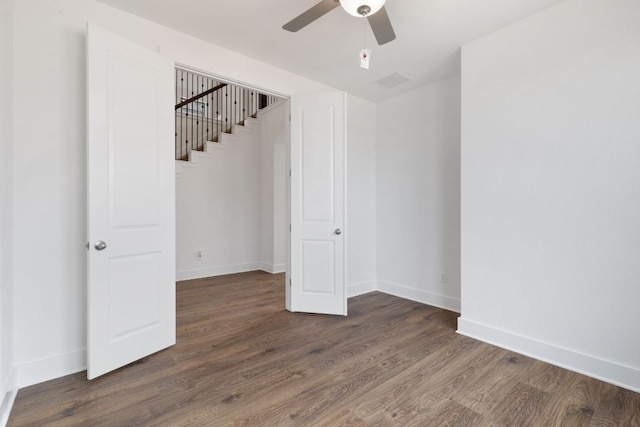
(211, 146)
(248, 126)
(228, 138)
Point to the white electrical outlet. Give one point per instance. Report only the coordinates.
(443, 277)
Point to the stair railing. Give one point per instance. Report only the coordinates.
(206, 108)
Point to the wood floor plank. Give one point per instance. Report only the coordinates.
(522, 406)
(415, 393)
(546, 377)
(241, 359)
(445, 413)
(490, 387)
(617, 407)
(574, 403)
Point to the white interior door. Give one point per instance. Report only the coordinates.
(318, 135)
(131, 231)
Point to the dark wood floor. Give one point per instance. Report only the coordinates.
(241, 359)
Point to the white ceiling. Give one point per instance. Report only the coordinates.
(427, 47)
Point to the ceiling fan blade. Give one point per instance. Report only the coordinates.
(381, 26)
(311, 15)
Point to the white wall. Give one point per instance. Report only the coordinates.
(360, 230)
(418, 194)
(218, 207)
(7, 381)
(49, 168)
(274, 138)
(551, 188)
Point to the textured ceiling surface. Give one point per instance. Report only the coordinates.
(427, 48)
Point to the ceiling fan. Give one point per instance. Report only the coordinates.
(373, 10)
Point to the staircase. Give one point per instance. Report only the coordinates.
(206, 109)
(239, 134)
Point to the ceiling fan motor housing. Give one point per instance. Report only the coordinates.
(357, 8)
(364, 10)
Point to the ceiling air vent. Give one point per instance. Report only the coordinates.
(392, 80)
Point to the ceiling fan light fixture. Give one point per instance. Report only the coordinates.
(357, 7)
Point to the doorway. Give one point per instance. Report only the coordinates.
(231, 203)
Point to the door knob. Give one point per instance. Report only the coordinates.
(100, 245)
(338, 231)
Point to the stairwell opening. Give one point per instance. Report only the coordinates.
(231, 203)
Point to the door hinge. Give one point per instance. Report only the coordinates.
(289, 116)
(289, 172)
(290, 228)
(289, 282)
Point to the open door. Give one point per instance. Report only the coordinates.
(131, 186)
(317, 267)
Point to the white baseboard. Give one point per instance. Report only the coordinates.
(216, 271)
(273, 268)
(9, 393)
(52, 367)
(418, 295)
(360, 289)
(624, 376)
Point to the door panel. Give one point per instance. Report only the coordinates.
(317, 204)
(317, 260)
(318, 167)
(130, 168)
